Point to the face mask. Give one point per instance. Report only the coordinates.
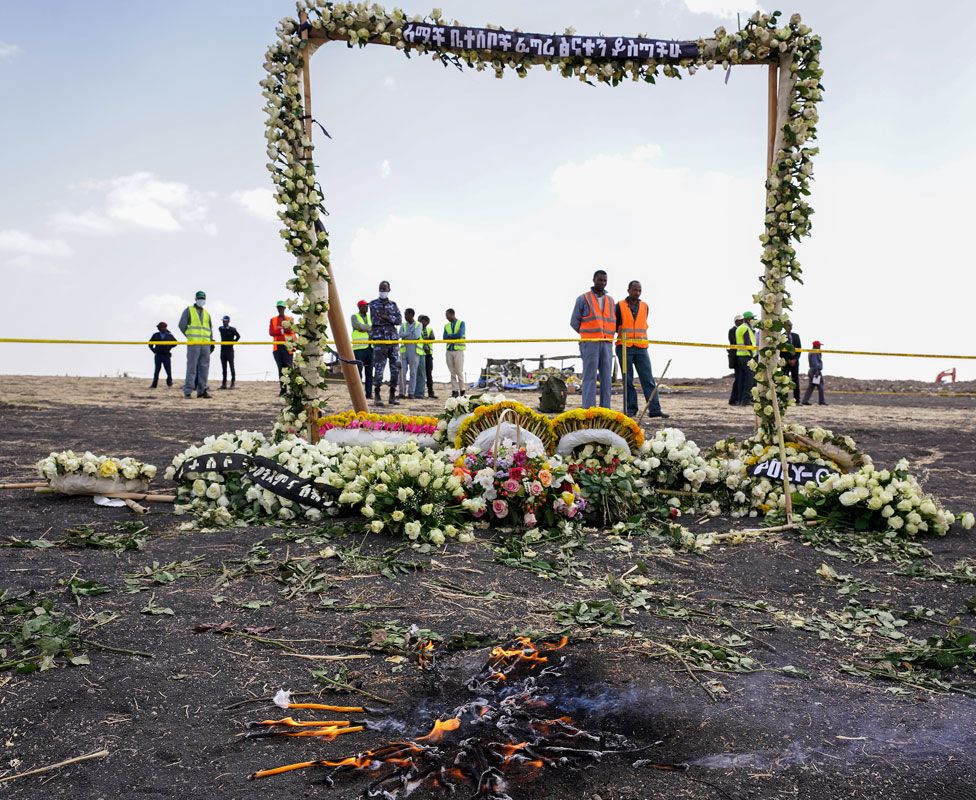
(384, 295)
(201, 303)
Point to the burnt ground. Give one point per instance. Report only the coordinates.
(172, 718)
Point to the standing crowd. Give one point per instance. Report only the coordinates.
(743, 338)
(195, 324)
(384, 341)
(400, 346)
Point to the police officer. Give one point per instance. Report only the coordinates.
(228, 334)
(162, 354)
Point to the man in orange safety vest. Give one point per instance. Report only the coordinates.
(594, 319)
(281, 329)
(632, 328)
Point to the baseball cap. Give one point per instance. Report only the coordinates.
(748, 315)
(818, 344)
(361, 303)
(281, 304)
(201, 295)
(225, 318)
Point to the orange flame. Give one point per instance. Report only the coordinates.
(440, 728)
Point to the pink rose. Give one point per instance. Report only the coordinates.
(571, 511)
(511, 486)
(499, 507)
(529, 520)
(478, 512)
(536, 488)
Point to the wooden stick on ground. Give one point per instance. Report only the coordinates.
(66, 763)
(31, 485)
(787, 486)
(152, 498)
(657, 385)
(135, 506)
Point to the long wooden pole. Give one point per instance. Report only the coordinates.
(337, 320)
(780, 85)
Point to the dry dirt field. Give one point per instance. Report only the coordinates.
(749, 666)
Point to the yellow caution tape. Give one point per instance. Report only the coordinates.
(662, 342)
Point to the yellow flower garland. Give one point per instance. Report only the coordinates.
(485, 417)
(587, 418)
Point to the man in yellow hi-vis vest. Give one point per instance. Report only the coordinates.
(196, 326)
(456, 333)
(745, 336)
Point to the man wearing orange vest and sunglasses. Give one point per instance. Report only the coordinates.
(595, 320)
(632, 325)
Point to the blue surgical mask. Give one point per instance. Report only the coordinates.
(201, 303)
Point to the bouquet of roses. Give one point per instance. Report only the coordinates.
(405, 490)
(890, 501)
(519, 488)
(609, 482)
(219, 499)
(85, 473)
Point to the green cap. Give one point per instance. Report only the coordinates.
(201, 295)
(281, 304)
(748, 315)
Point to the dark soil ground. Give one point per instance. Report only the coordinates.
(172, 719)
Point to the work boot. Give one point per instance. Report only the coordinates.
(204, 396)
(169, 381)
(432, 396)
(462, 393)
(223, 385)
(393, 398)
(376, 397)
(233, 382)
(454, 393)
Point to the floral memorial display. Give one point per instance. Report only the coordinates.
(85, 473)
(509, 418)
(603, 426)
(351, 428)
(789, 45)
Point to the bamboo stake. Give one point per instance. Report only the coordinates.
(66, 763)
(31, 485)
(787, 486)
(657, 385)
(337, 320)
(152, 498)
(135, 506)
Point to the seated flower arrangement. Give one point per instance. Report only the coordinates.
(363, 428)
(479, 429)
(517, 488)
(85, 473)
(583, 426)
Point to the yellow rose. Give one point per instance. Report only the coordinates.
(567, 498)
(108, 469)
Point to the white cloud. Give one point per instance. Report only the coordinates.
(84, 222)
(29, 265)
(385, 168)
(22, 243)
(726, 9)
(8, 50)
(140, 200)
(259, 202)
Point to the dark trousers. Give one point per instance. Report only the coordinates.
(364, 359)
(384, 354)
(736, 381)
(163, 362)
(795, 377)
(820, 391)
(227, 360)
(744, 381)
(429, 369)
(283, 359)
(638, 361)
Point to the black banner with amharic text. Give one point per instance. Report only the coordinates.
(262, 472)
(542, 45)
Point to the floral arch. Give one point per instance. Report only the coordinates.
(789, 49)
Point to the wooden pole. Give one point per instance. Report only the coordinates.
(772, 103)
(623, 368)
(337, 320)
(787, 486)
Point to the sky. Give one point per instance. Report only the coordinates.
(134, 174)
